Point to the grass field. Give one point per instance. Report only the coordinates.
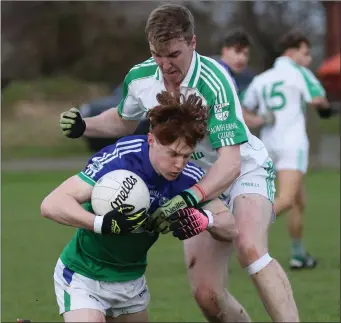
(31, 246)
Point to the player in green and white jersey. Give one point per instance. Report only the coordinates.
(236, 164)
(286, 89)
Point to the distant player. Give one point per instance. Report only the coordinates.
(100, 275)
(235, 54)
(286, 89)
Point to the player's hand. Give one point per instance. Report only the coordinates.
(189, 222)
(269, 118)
(326, 113)
(72, 124)
(158, 220)
(119, 222)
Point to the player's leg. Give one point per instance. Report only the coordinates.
(129, 300)
(292, 165)
(84, 315)
(206, 261)
(251, 198)
(299, 257)
(289, 183)
(77, 296)
(127, 318)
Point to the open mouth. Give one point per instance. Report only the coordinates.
(171, 73)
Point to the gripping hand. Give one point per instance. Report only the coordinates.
(119, 222)
(72, 124)
(158, 220)
(189, 222)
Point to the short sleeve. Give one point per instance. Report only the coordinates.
(248, 97)
(129, 107)
(226, 124)
(310, 86)
(98, 165)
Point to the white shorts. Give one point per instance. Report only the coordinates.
(75, 291)
(258, 181)
(291, 159)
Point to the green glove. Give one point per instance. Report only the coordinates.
(157, 222)
(72, 124)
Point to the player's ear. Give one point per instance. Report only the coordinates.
(194, 42)
(151, 138)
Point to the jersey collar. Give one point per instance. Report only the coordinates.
(192, 77)
(284, 60)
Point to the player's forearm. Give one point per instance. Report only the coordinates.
(221, 175)
(64, 209)
(224, 227)
(320, 102)
(108, 124)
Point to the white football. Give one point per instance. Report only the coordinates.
(119, 187)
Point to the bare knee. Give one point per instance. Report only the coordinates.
(209, 300)
(287, 201)
(248, 252)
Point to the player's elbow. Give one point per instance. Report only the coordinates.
(46, 208)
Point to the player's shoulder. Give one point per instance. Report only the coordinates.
(212, 67)
(142, 71)
(192, 172)
(125, 147)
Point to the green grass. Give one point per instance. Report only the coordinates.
(54, 88)
(65, 148)
(31, 246)
(330, 126)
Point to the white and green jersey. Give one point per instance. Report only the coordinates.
(208, 79)
(285, 89)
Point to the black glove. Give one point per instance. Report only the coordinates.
(327, 113)
(119, 222)
(72, 124)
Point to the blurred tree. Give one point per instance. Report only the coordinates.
(267, 21)
(94, 40)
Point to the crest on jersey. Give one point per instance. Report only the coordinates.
(219, 112)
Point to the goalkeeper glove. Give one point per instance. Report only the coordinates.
(72, 124)
(189, 222)
(119, 222)
(156, 221)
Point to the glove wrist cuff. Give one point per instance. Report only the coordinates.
(98, 224)
(210, 219)
(190, 198)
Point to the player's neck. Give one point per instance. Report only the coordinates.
(172, 87)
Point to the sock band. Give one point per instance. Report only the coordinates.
(258, 265)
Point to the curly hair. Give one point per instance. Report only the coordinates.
(177, 117)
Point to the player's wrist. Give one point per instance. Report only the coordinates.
(98, 223)
(210, 218)
(190, 198)
(197, 193)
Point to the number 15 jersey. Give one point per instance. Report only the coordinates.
(285, 89)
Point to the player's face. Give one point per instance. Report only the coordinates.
(170, 160)
(302, 55)
(237, 58)
(174, 59)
